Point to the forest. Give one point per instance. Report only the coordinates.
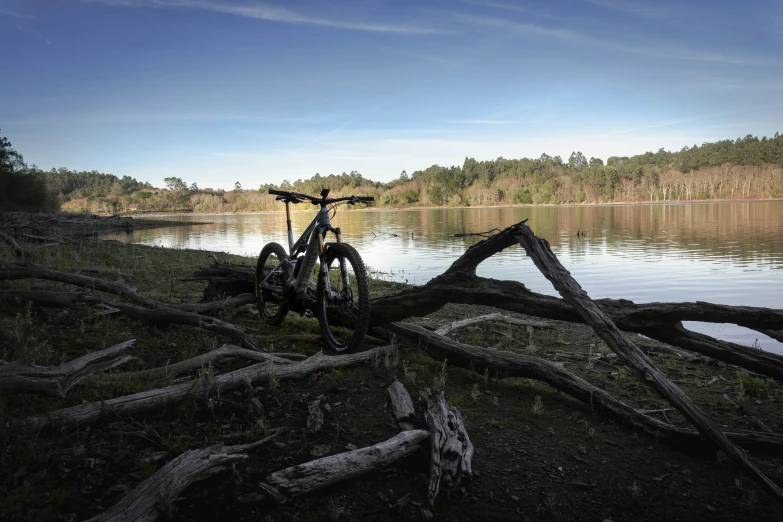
(744, 168)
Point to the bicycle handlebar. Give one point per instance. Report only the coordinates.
(295, 197)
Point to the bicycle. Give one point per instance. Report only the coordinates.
(342, 302)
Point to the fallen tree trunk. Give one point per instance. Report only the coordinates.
(166, 316)
(318, 474)
(194, 363)
(212, 307)
(34, 272)
(509, 364)
(561, 279)
(43, 298)
(460, 284)
(497, 317)
(150, 400)
(153, 497)
(21, 377)
(20, 252)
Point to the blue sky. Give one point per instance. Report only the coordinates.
(218, 91)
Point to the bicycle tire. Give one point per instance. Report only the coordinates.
(272, 312)
(352, 316)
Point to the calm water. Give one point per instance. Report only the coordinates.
(729, 253)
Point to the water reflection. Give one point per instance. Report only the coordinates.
(727, 253)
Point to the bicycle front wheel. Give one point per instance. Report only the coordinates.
(271, 277)
(343, 310)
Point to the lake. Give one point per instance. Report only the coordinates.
(728, 253)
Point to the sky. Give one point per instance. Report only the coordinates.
(218, 91)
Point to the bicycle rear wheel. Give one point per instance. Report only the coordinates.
(343, 313)
(271, 277)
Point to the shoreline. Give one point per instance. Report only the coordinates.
(462, 207)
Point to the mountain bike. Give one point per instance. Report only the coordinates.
(342, 294)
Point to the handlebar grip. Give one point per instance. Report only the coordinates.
(279, 192)
(366, 198)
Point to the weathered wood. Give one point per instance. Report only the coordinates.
(195, 363)
(493, 317)
(160, 314)
(151, 400)
(165, 316)
(450, 448)
(318, 474)
(543, 257)
(43, 298)
(459, 284)
(315, 418)
(20, 252)
(121, 289)
(401, 405)
(22, 377)
(510, 364)
(153, 497)
(215, 306)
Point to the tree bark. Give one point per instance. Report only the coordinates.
(154, 496)
(450, 448)
(401, 405)
(318, 474)
(22, 377)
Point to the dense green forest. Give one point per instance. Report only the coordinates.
(744, 168)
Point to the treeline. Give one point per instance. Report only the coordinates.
(744, 168)
(20, 187)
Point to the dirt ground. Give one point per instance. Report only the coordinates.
(540, 455)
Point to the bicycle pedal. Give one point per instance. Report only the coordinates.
(308, 313)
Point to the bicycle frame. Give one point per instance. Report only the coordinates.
(316, 230)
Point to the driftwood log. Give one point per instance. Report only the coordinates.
(318, 474)
(20, 252)
(659, 321)
(538, 250)
(154, 496)
(401, 405)
(22, 377)
(226, 351)
(510, 364)
(151, 400)
(451, 452)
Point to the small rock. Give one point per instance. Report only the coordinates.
(351, 446)
(320, 450)
(515, 498)
(710, 508)
(278, 444)
(579, 484)
(427, 514)
(582, 450)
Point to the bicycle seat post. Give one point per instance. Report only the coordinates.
(290, 232)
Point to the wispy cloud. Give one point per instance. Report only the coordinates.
(653, 50)
(626, 7)
(14, 14)
(510, 7)
(653, 125)
(34, 32)
(261, 11)
(484, 122)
